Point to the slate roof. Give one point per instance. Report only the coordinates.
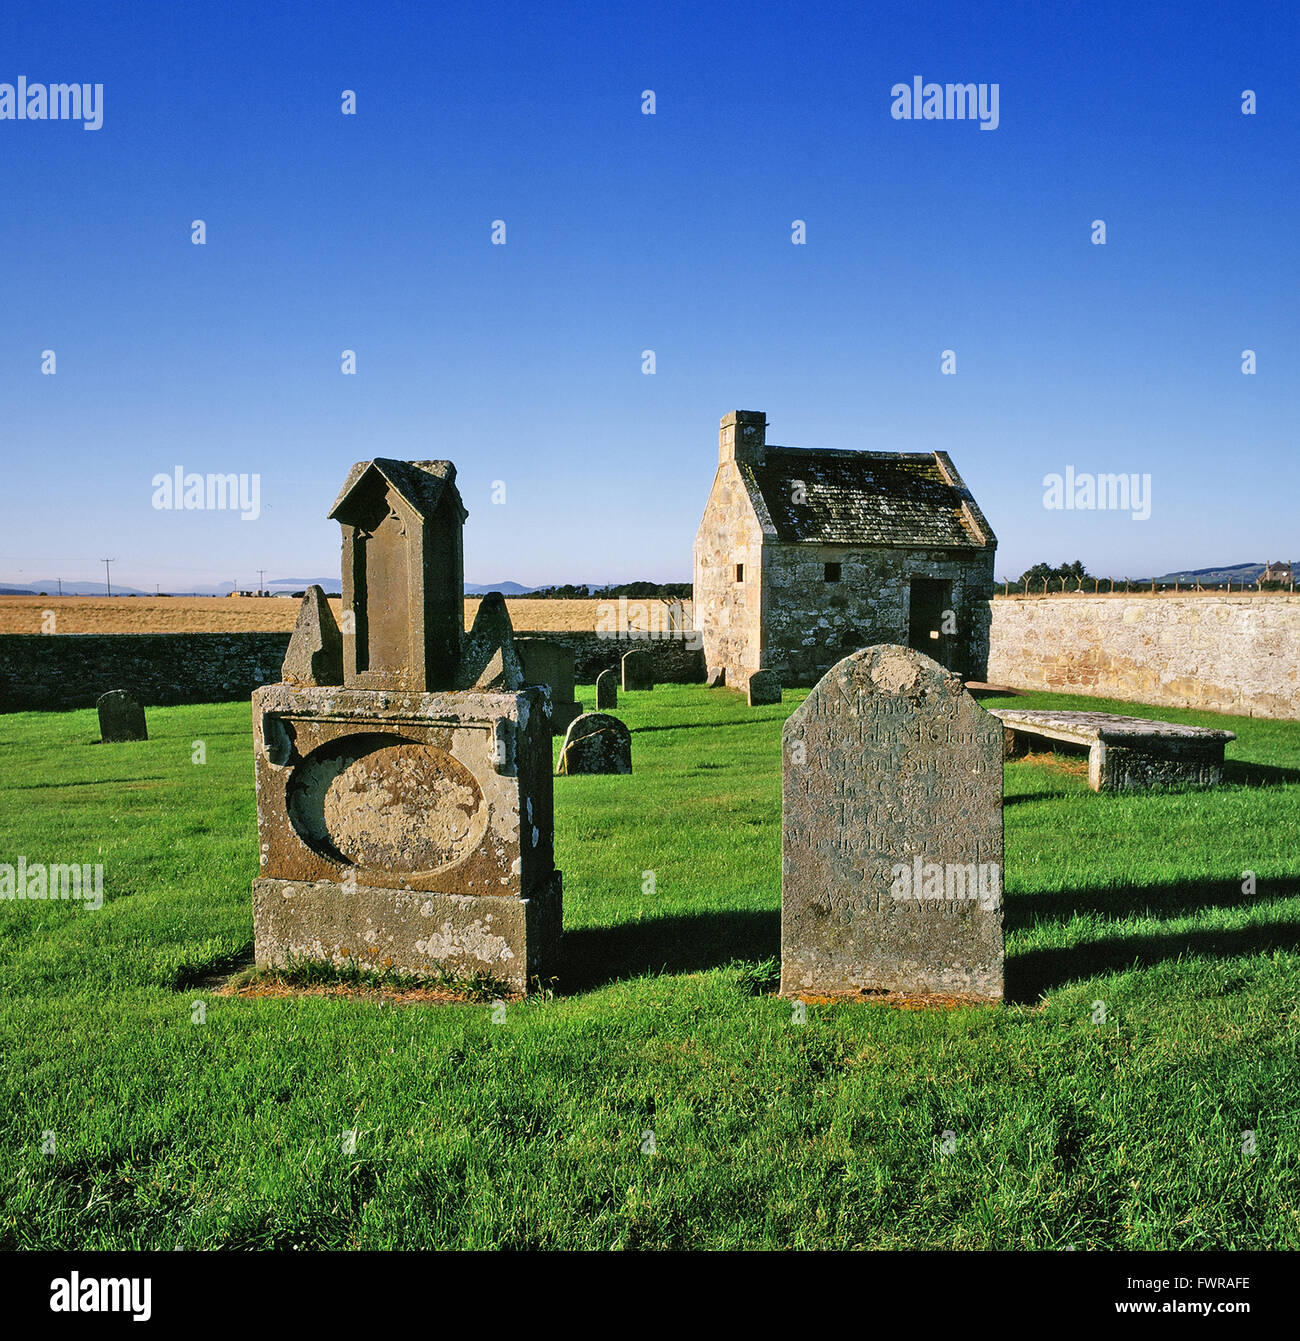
(865, 498)
(421, 483)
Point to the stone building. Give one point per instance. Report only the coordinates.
(805, 555)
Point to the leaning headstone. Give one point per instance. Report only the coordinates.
(638, 671)
(120, 717)
(595, 743)
(606, 690)
(891, 837)
(764, 688)
(715, 677)
(315, 655)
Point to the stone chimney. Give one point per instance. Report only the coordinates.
(742, 436)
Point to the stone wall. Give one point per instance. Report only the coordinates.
(71, 670)
(675, 662)
(1236, 654)
(729, 536)
(810, 623)
(42, 671)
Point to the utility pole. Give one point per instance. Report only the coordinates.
(261, 580)
(60, 586)
(107, 579)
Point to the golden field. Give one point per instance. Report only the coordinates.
(262, 614)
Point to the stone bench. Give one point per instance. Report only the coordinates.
(1123, 752)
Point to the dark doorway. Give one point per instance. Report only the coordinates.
(931, 600)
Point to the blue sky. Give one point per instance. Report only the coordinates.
(626, 232)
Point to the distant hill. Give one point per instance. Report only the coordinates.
(1240, 572)
(505, 588)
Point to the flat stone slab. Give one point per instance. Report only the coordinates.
(1124, 753)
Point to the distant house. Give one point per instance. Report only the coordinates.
(1277, 572)
(805, 555)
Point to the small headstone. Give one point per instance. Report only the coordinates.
(638, 671)
(488, 659)
(891, 840)
(595, 743)
(606, 690)
(764, 688)
(120, 717)
(715, 677)
(550, 664)
(315, 655)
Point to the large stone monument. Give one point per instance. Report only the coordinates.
(891, 839)
(405, 816)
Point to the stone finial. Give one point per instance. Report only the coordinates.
(488, 657)
(403, 574)
(315, 655)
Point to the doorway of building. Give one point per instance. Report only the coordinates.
(931, 599)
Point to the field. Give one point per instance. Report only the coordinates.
(253, 614)
(1138, 1090)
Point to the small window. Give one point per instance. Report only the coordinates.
(832, 572)
(740, 572)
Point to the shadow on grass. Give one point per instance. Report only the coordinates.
(1034, 972)
(686, 943)
(1242, 773)
(759, 716)
(1030, 975)
(1173, 900)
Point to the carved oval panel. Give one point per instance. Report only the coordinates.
(384, 803)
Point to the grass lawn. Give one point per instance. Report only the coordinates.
(662, 1097)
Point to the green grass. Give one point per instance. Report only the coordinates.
(530, 1132)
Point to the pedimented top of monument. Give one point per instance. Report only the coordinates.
(422, 484)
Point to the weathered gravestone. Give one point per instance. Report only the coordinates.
(595, 743)
(891, 840)
(120, 717)
(606, 690)
(315, 654)
(764, 688)
(551, 664)
(405, 817)
(638, 671)
(715, 677)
